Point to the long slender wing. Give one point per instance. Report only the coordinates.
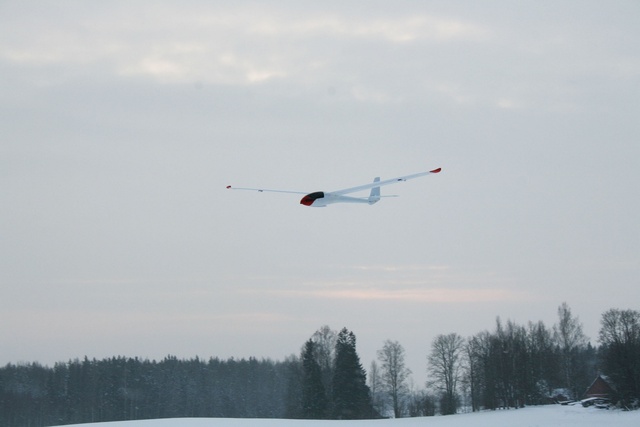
(385, 182)
(265, 189)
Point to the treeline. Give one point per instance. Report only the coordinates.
(510, 366)
(120, 388)
(517, 365)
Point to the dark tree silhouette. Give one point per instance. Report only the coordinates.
(620, 339)
(314, 399)
(351, 397)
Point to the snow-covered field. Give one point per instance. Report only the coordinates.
(551, 416)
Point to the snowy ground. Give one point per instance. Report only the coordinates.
(552, 415)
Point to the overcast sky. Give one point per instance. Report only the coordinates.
(121, 124)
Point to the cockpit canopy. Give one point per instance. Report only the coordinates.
(311, 197)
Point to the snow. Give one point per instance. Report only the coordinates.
(551, 415)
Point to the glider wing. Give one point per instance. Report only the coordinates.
(261, 190)
(385, 182)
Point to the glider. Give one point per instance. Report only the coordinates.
(321, 199)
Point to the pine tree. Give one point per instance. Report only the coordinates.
(351, 397)
(314, 399)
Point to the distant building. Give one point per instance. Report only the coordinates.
(599, 388)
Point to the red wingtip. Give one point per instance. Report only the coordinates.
(436, 170)
(228, 187)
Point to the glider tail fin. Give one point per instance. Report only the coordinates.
(374, 197)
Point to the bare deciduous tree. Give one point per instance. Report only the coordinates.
(568, 335)
(375, 386)
(394, 374)
(324, 352)
(445, 367)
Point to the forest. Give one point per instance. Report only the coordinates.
(509, 366)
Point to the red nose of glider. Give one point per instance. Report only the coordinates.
(311, 197)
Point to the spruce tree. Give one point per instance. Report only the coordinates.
(351, 397)
(314, 399)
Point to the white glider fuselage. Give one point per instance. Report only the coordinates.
(320, 199)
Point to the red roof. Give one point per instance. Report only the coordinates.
(599, 388)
